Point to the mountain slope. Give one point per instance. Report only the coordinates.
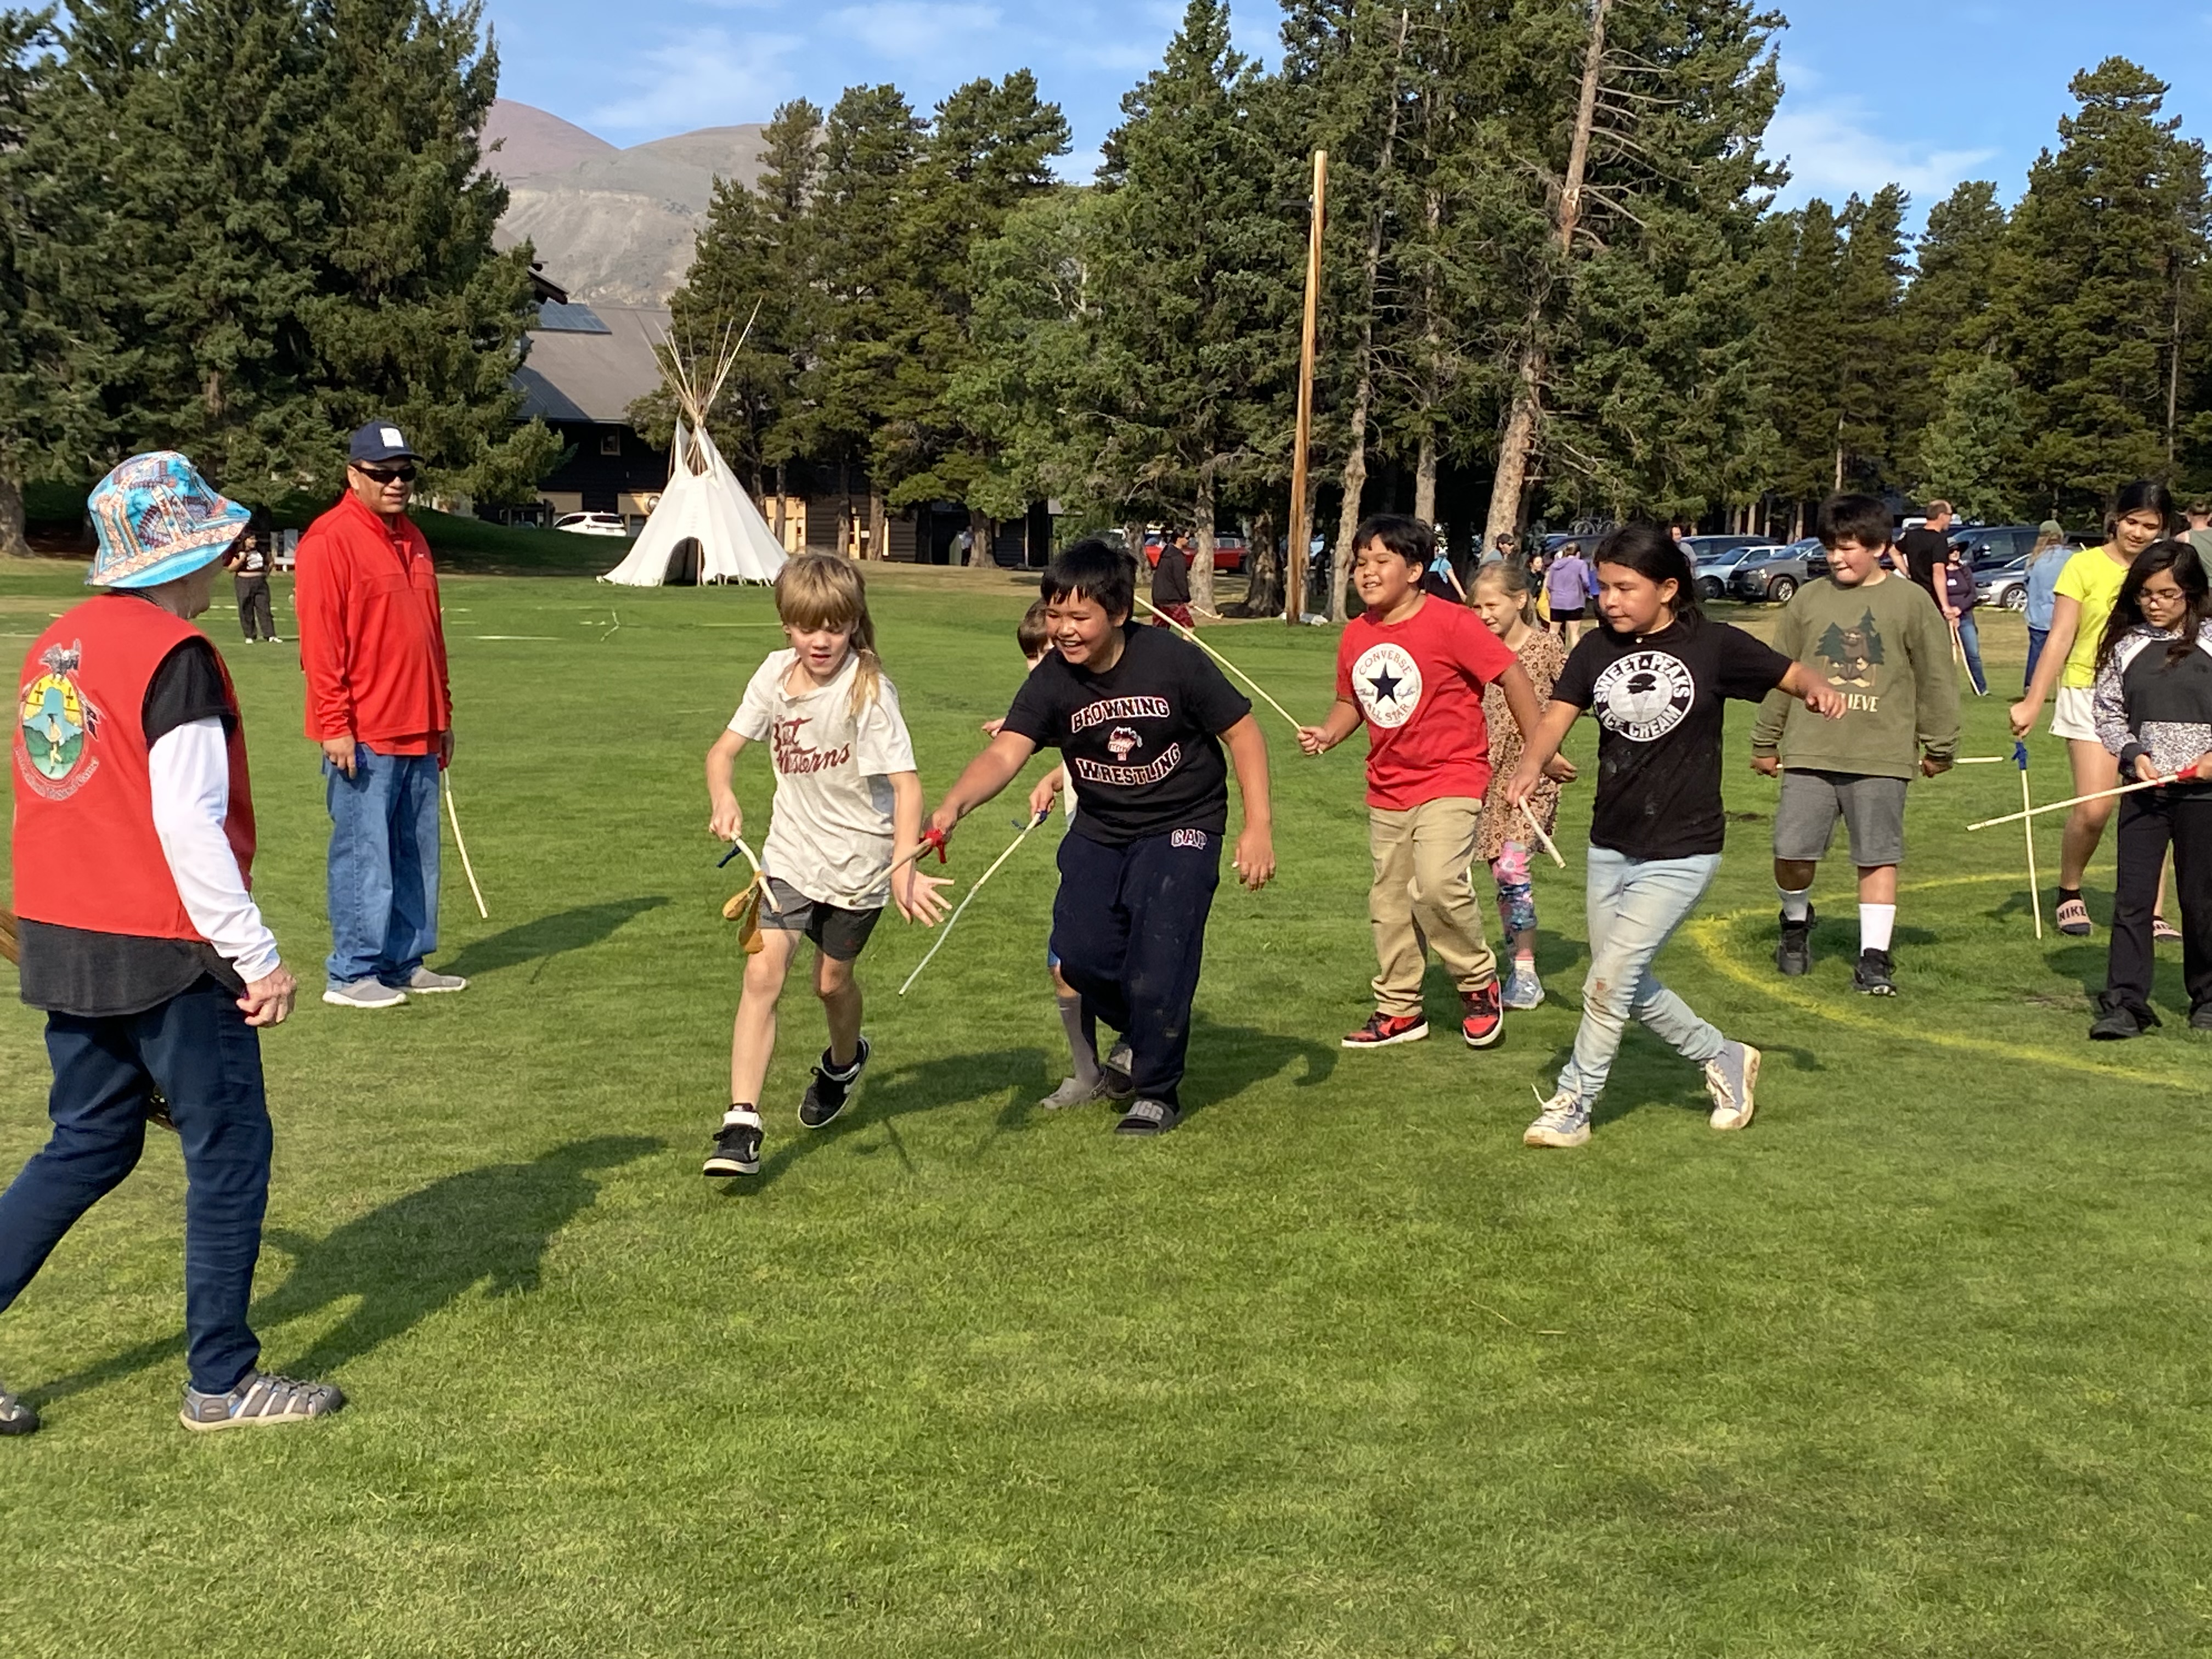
(609, 224)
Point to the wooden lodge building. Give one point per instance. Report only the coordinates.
(588, 364)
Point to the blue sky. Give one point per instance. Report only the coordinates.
(1923, 93)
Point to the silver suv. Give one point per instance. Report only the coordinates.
(1773, 575)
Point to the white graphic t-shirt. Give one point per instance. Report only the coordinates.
(829, 828)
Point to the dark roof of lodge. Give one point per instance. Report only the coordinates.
(589, 363)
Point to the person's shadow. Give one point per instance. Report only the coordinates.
(548, 936)
(413, 1256)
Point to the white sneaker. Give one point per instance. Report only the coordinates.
(1563, 1121)
(428, 983)
(364, 993)
(1730, 1077)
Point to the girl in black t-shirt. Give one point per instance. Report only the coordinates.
(1656, 675)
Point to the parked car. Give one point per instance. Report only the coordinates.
(2004, 585)
(591, 524)
(1705, 547)
(1988, 545)
(1773, 575)
(1710, 574)
(1228, 551)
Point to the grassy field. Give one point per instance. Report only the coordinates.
(1916, 1366)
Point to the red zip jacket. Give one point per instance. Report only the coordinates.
(371, 639)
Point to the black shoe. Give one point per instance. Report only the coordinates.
(737, 1151)
(1794, 955)
(2117, 1024)
(1871, 977)
(826, 1095)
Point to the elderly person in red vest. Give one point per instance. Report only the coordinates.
(133, 847)
(373, 642)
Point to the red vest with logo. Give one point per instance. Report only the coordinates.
(86, 853)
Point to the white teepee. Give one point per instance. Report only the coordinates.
(704, 504)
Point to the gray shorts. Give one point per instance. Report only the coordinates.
(1812, 801)
(838, 935)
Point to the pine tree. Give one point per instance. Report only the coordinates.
(1970, 453)
(21, 33)
(1869, 288)
(417, 316)
(2097, 290)
(1942, 320)
(1194, 307)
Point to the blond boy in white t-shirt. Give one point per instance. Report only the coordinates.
(847, 806)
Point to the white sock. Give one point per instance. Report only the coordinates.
(1875, 922)
(1795, 907)
(738, 1115)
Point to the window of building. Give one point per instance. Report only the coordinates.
(610, 443)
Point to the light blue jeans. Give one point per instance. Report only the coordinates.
(1633, 907)
(383, 865)
(1970, 642)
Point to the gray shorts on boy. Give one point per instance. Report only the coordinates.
(1873, 808)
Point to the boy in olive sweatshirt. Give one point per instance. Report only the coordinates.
(1879, 640)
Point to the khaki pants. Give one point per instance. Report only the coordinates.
(1422, 897)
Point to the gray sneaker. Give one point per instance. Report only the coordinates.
(261, 1400)
(424, 982)
(15, 1417)
(364, 993)
(1119, 1061)
(1731, 1077)
(1073, 1092)
(1523, 990)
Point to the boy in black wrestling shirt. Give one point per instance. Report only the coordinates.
(1140, 716)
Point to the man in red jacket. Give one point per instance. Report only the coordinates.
(133, 846)
(373, 646)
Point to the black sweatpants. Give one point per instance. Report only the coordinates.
(254, 610)
(1129, 928)
(2149, 820)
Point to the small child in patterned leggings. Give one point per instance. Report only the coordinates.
(1502, 597)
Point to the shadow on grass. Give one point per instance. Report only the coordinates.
(409, 1258)
(549, 936)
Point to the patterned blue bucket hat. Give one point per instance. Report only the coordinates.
(158, 520)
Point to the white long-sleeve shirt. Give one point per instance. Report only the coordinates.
(190, 770)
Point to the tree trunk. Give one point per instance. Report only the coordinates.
(12, 542)
(1201, 564)
(1263, 571)
(780, 540)
(1363, 396)
(2173, 368)
(982, 534)
(1520, 427)
(1424, 481)
(879, 527)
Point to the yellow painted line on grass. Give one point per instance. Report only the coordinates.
(1707, 934)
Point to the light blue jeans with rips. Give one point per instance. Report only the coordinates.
(1633, 906)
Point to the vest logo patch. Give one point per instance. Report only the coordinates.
(54, 726)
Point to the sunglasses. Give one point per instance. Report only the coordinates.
(386, 475)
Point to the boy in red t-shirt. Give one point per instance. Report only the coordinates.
(1415, 671)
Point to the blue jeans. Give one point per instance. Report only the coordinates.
(1129, 927)
(197, 1049)
(1633, 906)
(2035, 639)
(1970, 639)
(383, 865)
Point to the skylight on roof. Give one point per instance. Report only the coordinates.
(571, 319)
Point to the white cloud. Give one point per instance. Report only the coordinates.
(1837, 148)
(705, 77)
(917, 30)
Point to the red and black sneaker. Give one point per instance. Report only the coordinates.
(1485, 1015)
(1383, 1029)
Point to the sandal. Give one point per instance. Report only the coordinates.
(2163, 931)
(2073, 917)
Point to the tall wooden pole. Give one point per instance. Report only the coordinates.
(1294, 552)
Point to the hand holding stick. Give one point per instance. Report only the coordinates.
(1549, 846)
(952, 920)
(2190, 774)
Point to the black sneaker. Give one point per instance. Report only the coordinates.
(826, 1095)
(2117, 1024)
(1871, 977)
(1794, 954)
(736, 1147)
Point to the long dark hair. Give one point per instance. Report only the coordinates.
(2180, 558)
(1657, 557)
(2146, 494)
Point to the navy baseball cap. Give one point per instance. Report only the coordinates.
(379, 441)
